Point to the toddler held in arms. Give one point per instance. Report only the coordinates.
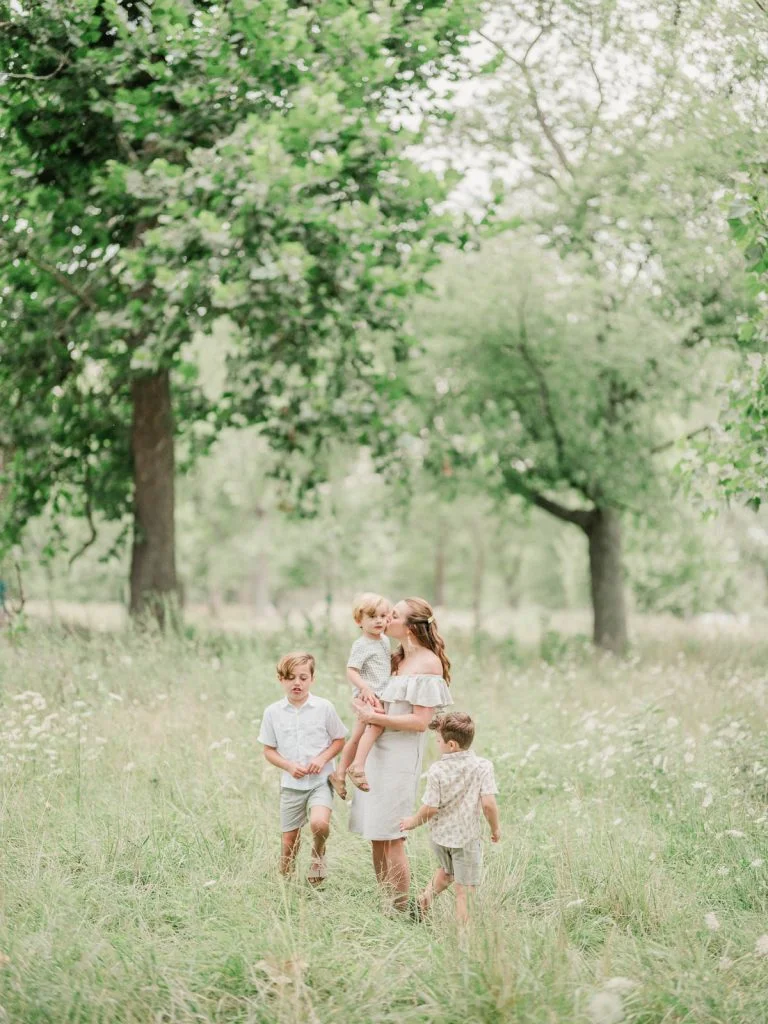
(368, 670)
(459, 786)
(301, 735)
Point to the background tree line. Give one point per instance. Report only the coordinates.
(242, 192)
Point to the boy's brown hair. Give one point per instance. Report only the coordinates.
(286, 667)
(369, 604)
(456, 725)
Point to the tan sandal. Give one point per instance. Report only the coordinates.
(318, 870)
(358, 779)
(338, 786)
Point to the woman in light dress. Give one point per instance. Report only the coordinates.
(417, 689)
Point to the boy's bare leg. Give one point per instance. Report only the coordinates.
(441, 880)
(463, 895)
(320, 823)
(288, 850)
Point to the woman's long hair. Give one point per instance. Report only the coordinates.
(421, 622)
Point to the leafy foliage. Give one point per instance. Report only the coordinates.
(163, 165)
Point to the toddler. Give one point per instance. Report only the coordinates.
(301, 735)
(459, 786)
(368, 670)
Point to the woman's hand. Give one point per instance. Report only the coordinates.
(364, 712)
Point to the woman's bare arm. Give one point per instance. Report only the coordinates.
(417, 721)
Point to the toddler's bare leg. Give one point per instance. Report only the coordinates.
(371, 734)
(347, 755)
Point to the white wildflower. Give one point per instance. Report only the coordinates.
(757, 862)
(711, 921)
(761, 946)
(129, 767)
(619, 984)
(724, 963)
(162, 696)
(735, 832)
(606, 1008)
(230, 716)
(210, 883)
(115, 696)
(230, 755)
(708, 799)
(723, 871)
(574, 903)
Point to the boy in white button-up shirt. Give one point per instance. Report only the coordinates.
(460, 786)
(301, 735)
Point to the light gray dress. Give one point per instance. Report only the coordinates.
(393, 767)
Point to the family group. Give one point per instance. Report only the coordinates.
(398, 695)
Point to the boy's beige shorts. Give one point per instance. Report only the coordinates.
(465, 863)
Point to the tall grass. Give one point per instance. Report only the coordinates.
(140, 835)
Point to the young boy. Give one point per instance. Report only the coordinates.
(459, 786)
(302, 734)
(369, 667)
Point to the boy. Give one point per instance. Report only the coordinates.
(369, 667)
(459, 785)
(302, 734)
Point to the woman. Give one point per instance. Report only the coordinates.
(417, 689)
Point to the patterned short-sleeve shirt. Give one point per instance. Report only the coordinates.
(455, 784)
(373, 660)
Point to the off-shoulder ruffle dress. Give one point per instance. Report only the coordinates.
(394, 764)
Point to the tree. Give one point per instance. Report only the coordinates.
(164, 164)
(615, 126)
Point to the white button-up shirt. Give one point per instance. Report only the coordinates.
(300, 734)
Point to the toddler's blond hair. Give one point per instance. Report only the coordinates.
(368, 604)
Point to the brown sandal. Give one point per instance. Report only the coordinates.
(338, 786)
(358, 778)
(318, 870)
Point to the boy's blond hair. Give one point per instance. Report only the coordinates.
(286, 667)
(456, 725)
(368, 604)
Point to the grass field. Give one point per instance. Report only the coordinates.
(139, 842)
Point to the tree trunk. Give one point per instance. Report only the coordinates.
(606, 580)
(438, 588)
(478, 581)
(154, 587)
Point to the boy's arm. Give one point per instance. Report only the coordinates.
(491, 812)
(319, 761)
(293, 769)
(424, 813)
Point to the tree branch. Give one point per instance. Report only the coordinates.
(578, 516)
(534, 96)
(63, 280)
(685, 437)
(94, 532)
(34, 78)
